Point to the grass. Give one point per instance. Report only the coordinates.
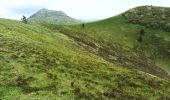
(67, 62)
(164, 63)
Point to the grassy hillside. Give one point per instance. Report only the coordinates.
(54, 17)
(116, 41)
(38, 62)
(119, 30)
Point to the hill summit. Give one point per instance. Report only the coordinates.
(51, 16)
(149, 16)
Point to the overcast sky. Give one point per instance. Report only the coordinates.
(80, 9)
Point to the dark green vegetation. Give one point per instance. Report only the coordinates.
(53, 17)
(150, 16)
(100, 60)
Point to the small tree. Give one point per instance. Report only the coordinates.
(83, 25)
(140, 39)
(142, 32)
(24, 19)
(167, 27)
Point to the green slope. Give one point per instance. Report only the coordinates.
(124, 30)
(116, 41)
(42, 63)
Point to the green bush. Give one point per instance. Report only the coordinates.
(167, 27)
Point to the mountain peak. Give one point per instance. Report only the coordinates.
(52, 16)
(44, 9)
(48, 10)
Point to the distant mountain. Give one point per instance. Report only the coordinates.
(54, 17)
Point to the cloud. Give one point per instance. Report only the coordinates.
(14, 9)
(80, 9)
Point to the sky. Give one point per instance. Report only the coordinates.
(79, 9)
